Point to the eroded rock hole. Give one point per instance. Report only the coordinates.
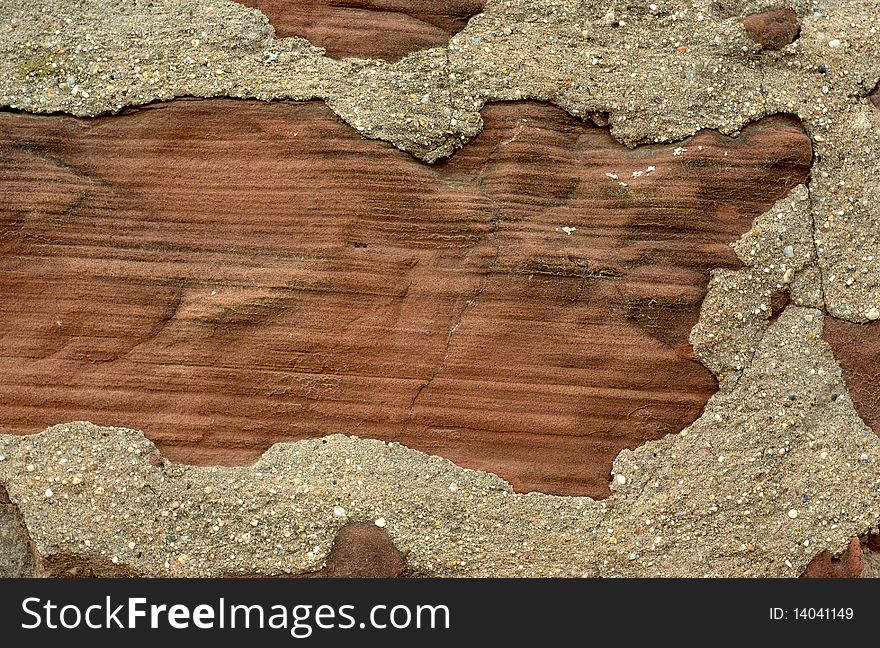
(523, 308)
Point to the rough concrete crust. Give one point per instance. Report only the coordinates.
(778, 469)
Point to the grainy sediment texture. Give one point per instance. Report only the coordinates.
(777, 469)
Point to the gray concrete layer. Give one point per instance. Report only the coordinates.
(777, 469)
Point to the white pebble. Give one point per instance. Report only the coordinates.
(792, 513)
(338, 512)
(49, 493)
(863, 456)
(873, 313)
(380, 522)
(788, 251)
(621, 480)
(834, 42)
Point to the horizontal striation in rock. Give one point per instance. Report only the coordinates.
(225, 275)
(387, 29)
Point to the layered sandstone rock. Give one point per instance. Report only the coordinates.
(226, 275)
(386, 29)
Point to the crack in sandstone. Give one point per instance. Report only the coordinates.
(484, 281)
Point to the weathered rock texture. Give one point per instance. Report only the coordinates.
(385, 29)
(773, 30)
(363, 550)
(857, 349)
(233, 274)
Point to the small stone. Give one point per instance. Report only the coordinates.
(773, 30)
(863, 456)
(380, 522)
(76, 481)
(873, 313)
(834, 42)
(788, 251)
(338, 512)
(792, 513)
(621, 480)
(131, 545)
(49, 493)
(208, 490)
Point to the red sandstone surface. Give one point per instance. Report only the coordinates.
(857, 349)
(387, 29)
(225, 275)
(848, 565)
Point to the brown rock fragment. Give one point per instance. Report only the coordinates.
(364, 551)
(848, 565)
(773, 30)
(857, 349)
(874, 97)
(387, 29)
